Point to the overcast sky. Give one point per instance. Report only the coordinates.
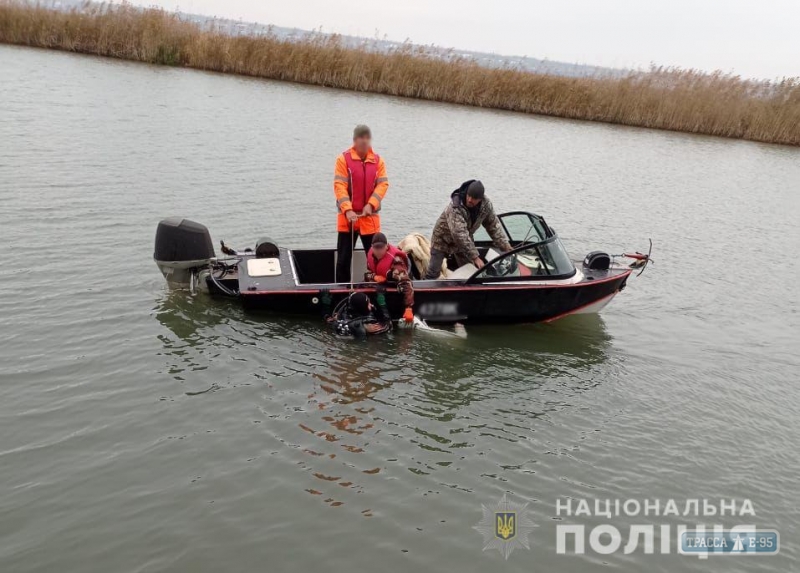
(757, 38)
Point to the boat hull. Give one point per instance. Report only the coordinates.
(438, 302)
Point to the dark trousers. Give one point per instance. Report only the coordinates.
(344, 247)
(437, 258)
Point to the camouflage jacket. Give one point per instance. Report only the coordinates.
(454, 230)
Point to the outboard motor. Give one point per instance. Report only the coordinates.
(182, 247)
(597, 261)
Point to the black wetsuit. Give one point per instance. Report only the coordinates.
(344, 322)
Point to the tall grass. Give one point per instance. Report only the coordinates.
(663, 98)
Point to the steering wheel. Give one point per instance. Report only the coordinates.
(504, 268)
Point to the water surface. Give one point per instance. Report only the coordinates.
(313, 452)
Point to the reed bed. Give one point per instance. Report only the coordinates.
(662, 98)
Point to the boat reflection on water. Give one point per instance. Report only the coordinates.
(511, 358)
(455, 370)
(184, 315)
(344, 421)
(203, 334)
(497, 360)
(421, 388)
(349, 415)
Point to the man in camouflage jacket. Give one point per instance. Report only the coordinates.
(453, 233)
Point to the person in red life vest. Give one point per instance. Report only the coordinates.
(359, 184)
(386, 262)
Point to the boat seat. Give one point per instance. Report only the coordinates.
(463, 272)
(491, 254)
(359, 265)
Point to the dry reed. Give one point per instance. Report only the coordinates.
(672, 99)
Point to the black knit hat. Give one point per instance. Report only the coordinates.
(379, 239)
(475, 190)
(359, 304)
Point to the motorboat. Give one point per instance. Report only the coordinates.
(536, 281)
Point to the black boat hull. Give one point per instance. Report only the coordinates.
(478, 303)
(533, 281)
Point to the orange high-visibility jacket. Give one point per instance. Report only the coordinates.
(342, 189)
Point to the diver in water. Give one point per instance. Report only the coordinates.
(356, 315)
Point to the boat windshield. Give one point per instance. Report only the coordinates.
(547, 259)
(518, 227)
(522, 227)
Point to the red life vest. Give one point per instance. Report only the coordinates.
(362, 179)
(383, 266)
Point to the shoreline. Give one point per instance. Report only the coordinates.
(667, 99)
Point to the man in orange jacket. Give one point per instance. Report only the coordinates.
(360, 184)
